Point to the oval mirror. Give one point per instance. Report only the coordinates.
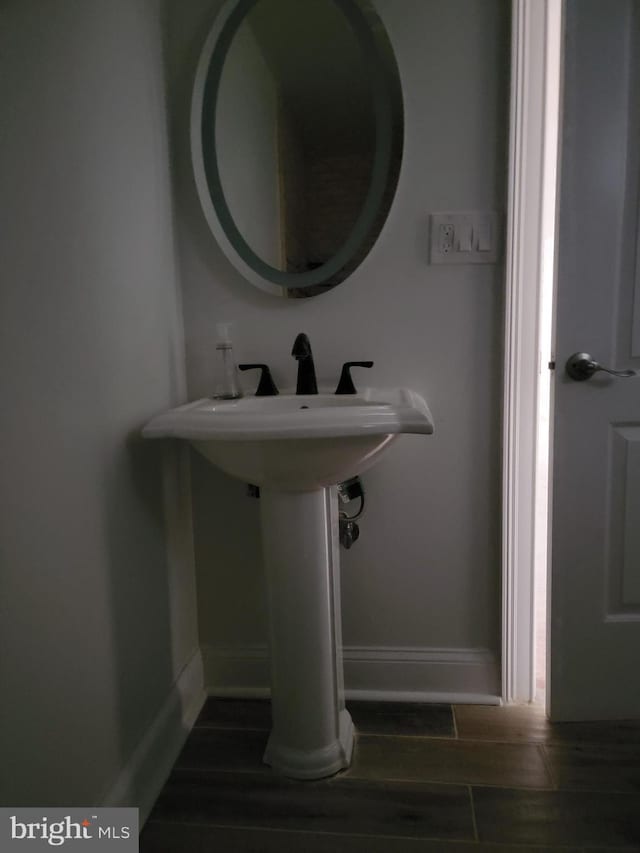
(297, 133)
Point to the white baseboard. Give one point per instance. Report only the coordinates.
(400, 674)
(143, 776)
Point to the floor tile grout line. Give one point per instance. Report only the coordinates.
(418, 839)
(414, 735)
(567, 745)
(313, 832)
(553, 744)
(550, 741)
(460, 784)
(455, 723)
(463, 741)
(346, 777)
(548, 767)
(361, 733)
(472, 806)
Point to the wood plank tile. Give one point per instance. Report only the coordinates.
(337, 805)
(595, 767)
(528, 723)
(160, 837)
(222, 713)
(607, 732)
(514, 723)
(231, 750)
(615, 849)
(434, 760)
(402, 718)
(557, 817)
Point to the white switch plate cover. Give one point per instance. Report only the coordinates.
(465, 237)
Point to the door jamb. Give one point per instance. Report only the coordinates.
(535, 85)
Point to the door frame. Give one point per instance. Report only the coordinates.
(536, 49)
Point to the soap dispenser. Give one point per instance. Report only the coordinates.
(226, 382)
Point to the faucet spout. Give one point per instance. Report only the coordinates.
(301, 351)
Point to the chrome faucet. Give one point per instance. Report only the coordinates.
(301, 351)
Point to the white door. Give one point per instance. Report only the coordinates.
(595, 522)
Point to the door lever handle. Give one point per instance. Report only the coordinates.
(581, 366)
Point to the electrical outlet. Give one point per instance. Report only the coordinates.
(446, 235)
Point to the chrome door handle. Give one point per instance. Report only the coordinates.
(581, 366)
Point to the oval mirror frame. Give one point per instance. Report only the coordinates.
(386, 91)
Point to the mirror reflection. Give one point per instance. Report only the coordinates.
(302, 138)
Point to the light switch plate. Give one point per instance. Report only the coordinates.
(465, 237)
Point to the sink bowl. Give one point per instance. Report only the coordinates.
(296, 442)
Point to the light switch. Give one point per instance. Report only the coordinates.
(463, 235)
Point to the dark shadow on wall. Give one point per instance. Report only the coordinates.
(139, 590)
(228, 550)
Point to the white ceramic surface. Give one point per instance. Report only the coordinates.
(312, 734)
(297, 447)
(296, 442)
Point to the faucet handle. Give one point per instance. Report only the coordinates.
(266, 385)
(345, 385)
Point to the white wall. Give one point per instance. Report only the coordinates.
(421, 586)
(98, 617)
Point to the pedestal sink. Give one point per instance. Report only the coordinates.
(297, 448)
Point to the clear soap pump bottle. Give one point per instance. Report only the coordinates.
(226, 382)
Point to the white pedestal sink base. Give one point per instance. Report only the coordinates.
(292, 446)
(313, 764)
(312, 733)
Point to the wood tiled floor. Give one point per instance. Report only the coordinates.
(424, 778)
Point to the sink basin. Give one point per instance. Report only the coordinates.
(296, 442)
